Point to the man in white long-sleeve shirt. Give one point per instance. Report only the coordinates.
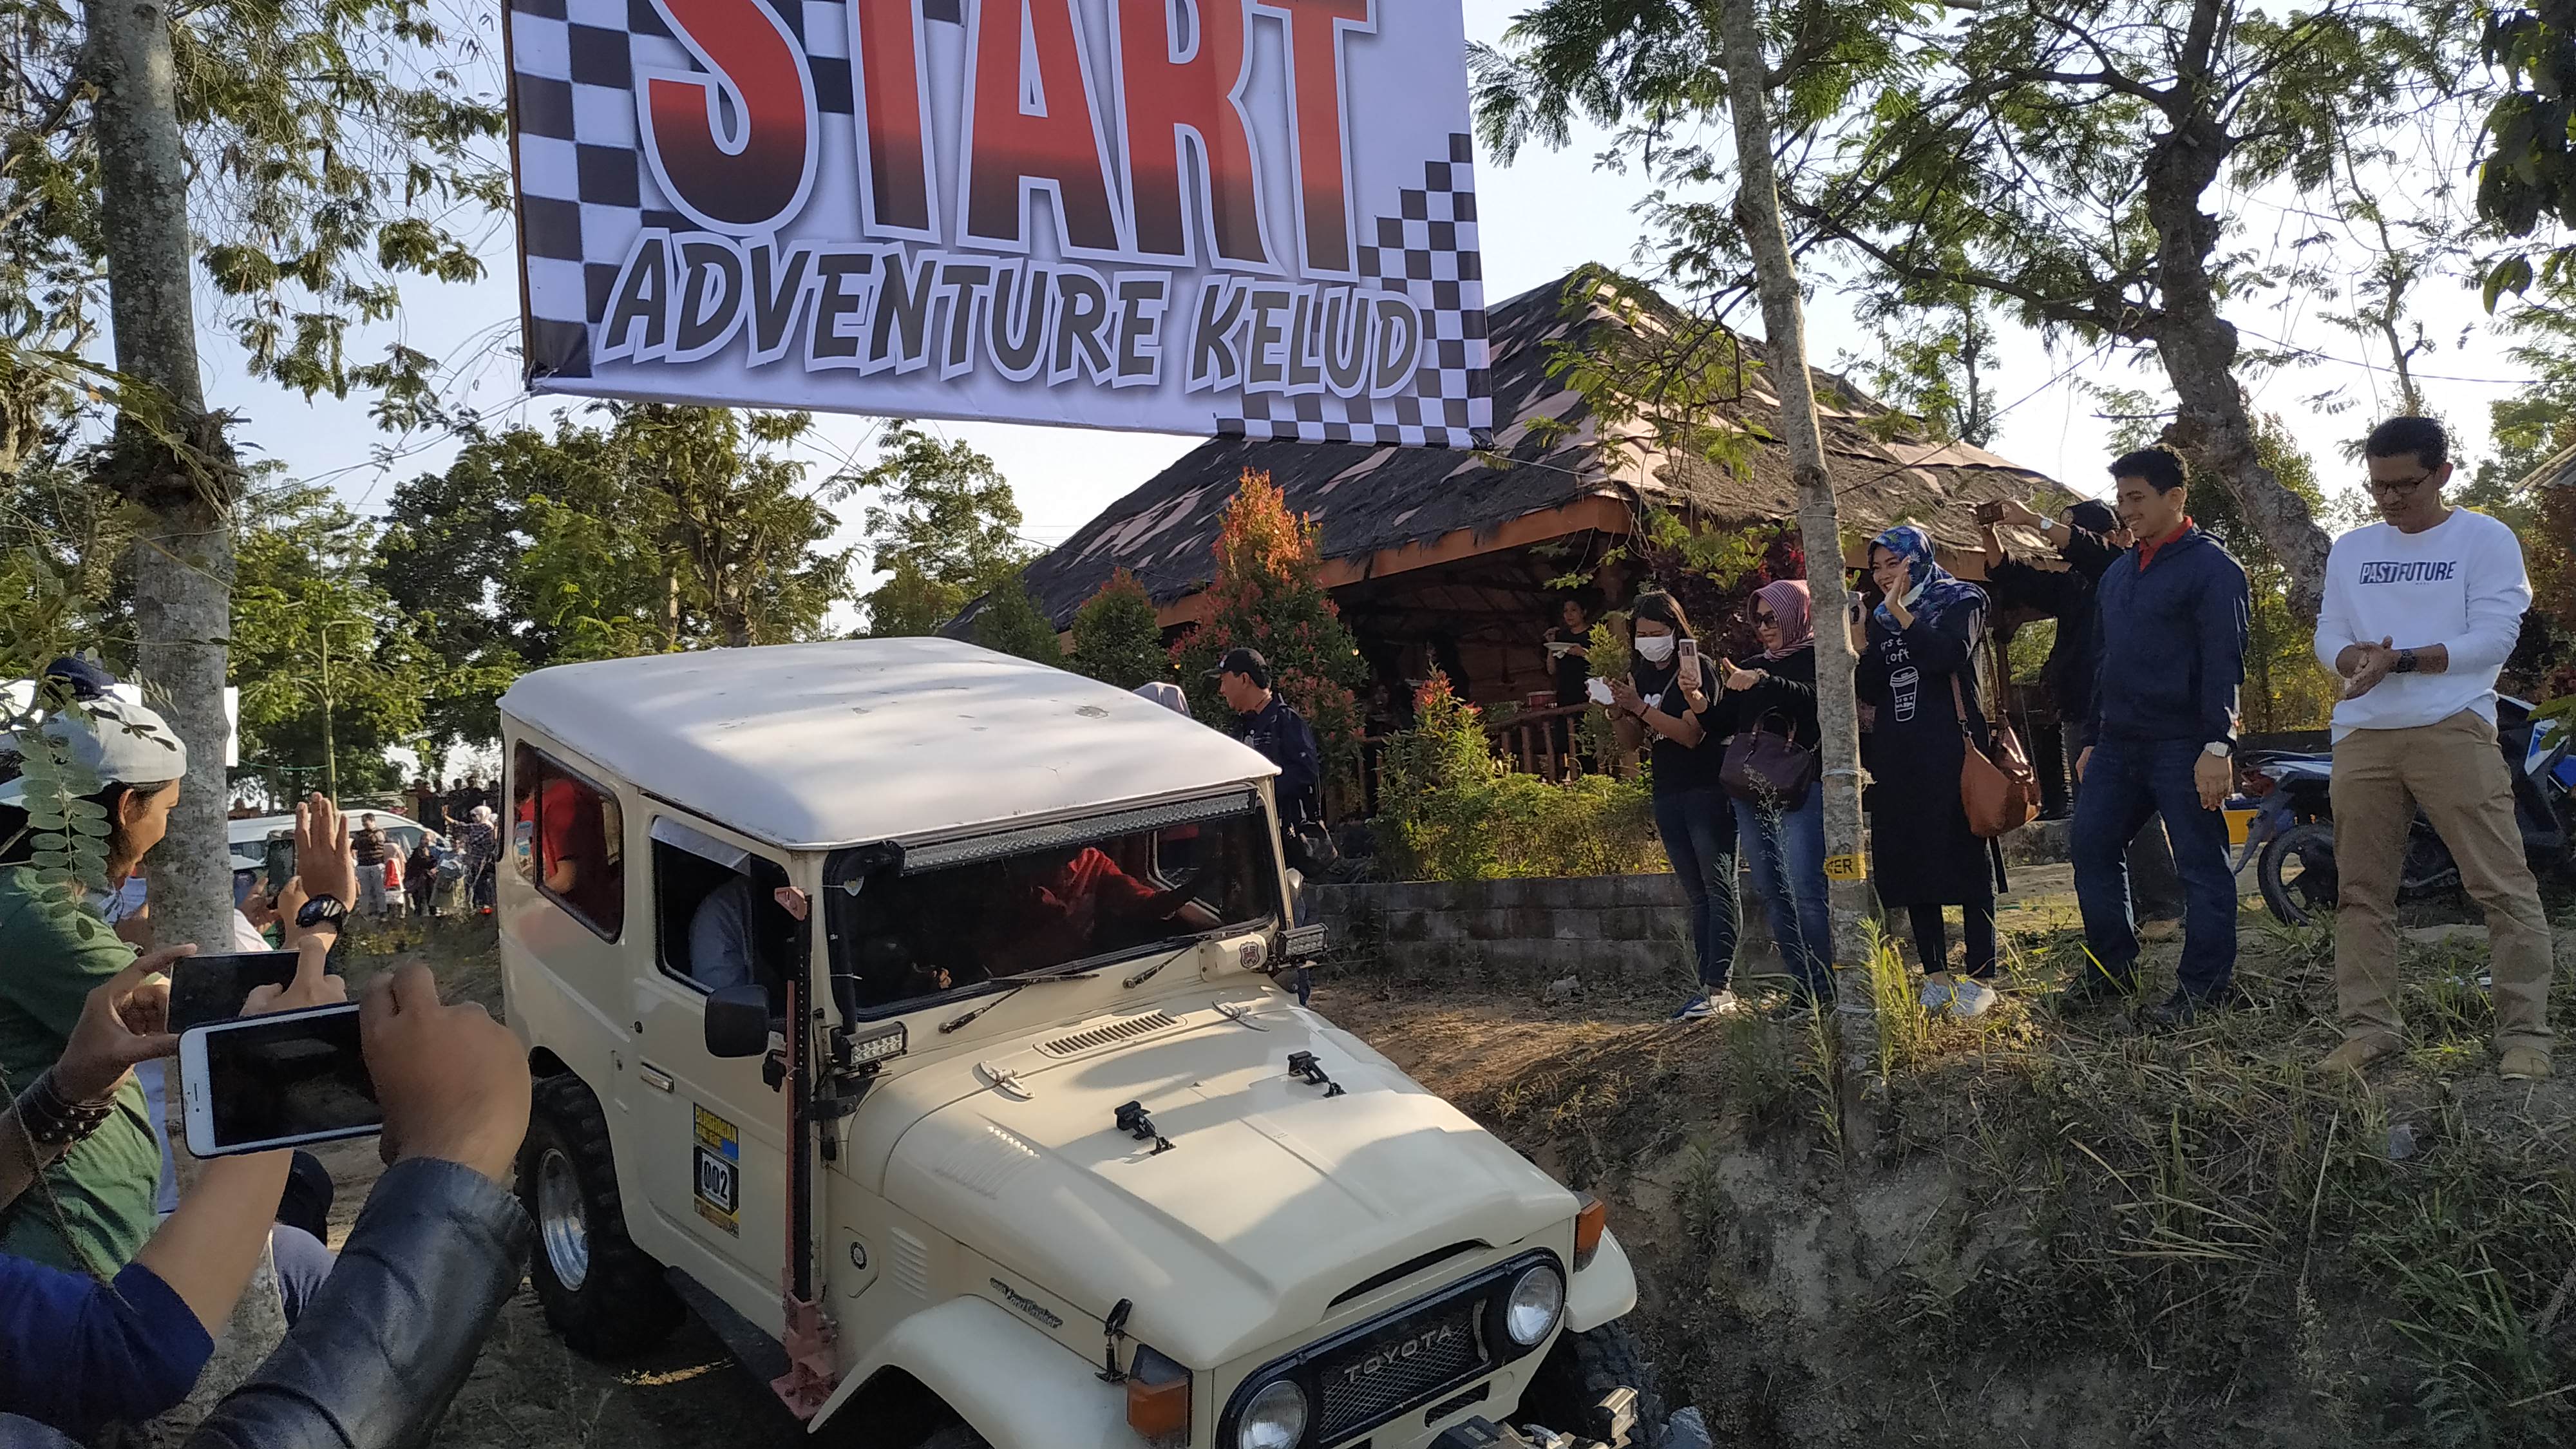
(2419, 614)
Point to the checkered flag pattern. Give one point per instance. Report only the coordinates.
(1427, 253)
(585, 194)
(584, 190)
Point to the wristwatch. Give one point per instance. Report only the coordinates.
(2406, 662)
(2220, 748)
(322, 911)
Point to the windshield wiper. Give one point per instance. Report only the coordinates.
(1023, 984)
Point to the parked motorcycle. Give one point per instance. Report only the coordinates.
(2293, 825)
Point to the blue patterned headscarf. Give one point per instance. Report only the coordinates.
(1935, 592)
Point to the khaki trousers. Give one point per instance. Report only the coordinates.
(2455, 772)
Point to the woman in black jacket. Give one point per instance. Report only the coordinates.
(1669, 692)
(1919, 670)
(1786, 839)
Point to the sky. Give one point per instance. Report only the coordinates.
(1541, 216)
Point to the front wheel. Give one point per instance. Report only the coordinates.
(600, 1291)
(2297, 873)
(1581, 1370)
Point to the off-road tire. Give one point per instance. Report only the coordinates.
(1580, 1371)
(956, 1436)
(2289, 906)
(623, 1305)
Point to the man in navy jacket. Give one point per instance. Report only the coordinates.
(2170, 654)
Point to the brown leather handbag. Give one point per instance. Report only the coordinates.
(2000, 793)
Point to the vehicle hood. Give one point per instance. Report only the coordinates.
(1272, 1201)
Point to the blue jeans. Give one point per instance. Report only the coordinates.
(1698, 827)
(1788, 850)
(2128, 781)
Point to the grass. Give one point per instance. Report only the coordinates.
(2206, 1206)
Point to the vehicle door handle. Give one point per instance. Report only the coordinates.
(654, 1077)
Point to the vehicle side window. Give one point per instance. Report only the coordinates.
(567, 840)
(719, 920)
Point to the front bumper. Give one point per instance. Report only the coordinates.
(1486, 1434)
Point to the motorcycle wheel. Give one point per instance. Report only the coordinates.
(2297, 873)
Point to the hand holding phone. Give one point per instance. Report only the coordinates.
(454, 1081)
(124, 1021)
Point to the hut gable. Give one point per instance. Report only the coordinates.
(1550, 472)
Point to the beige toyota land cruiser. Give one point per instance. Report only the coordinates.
(907, 1012)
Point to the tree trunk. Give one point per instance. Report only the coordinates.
(1757, 215)
(172, 458)
(2198, 346)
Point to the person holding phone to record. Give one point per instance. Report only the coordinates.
(1667, 700)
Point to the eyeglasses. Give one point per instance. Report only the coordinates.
(1765, 619)
(2400, 485)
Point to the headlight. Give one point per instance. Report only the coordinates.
(1537, 1298)
(1275, 1419)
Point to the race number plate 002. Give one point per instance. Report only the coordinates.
(719, 1170)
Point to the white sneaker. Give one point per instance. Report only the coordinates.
(1720, 1002)
(1971, 998)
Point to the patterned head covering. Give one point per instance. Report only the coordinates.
(1935, 592)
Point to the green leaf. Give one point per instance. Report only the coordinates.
(2513, 274)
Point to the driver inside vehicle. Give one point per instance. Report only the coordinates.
(1080, 903)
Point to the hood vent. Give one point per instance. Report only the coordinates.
(1402, 1271)
(1124, 1029)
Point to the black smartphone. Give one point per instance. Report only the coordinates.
(207, 989)
(286, 1080)
(280, 862)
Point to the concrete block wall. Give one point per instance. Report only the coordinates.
(1624, 928)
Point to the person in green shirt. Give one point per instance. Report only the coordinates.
(92, 1210)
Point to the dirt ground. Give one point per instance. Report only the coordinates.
(1542, 1074)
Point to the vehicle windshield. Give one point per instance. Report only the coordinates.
(961, 916)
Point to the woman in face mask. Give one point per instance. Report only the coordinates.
(1669, 697)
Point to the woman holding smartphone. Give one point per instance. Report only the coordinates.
(1918, 669)
(1787, 842)
(1667, 698)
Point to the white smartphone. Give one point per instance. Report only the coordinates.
(284, 1080)
(1598, 688)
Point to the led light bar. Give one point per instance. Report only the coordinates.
(944, 854)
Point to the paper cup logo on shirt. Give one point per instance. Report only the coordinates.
(1234, 216)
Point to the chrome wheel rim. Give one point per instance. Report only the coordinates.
(559, 1219)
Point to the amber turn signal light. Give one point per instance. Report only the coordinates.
(1590, 1222)
(1158, 1397)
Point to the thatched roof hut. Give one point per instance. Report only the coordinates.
(1452, 551)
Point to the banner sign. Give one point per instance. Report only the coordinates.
(1251, 217)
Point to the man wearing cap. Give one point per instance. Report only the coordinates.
(1274, 727)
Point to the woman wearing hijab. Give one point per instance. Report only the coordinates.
(1778, 691)
(1667, 695)
(1920, 659)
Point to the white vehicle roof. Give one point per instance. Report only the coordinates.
(248, 837)
(812, 746)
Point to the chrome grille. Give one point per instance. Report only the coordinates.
(1405, 1363)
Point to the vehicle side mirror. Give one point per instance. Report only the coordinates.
(738, 1021)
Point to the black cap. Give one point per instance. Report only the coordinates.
(1246, 662)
